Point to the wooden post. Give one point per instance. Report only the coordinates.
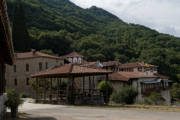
(89, 84)
(58, 87)
(67, 89)
(106, 87)
(45, 85)
(36, 89)
(50, 96)
(93, 83)
(83, 84)
(72, 90)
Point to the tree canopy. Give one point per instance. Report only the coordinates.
(61, 26)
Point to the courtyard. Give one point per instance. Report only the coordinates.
(31, 111)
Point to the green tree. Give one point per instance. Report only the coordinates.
(107, 89)
(21, 38)
(125, 95)
(175, 91)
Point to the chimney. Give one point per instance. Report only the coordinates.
(33, 51)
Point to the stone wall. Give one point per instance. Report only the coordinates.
(21, 75)
(2, 106)
(140, 98)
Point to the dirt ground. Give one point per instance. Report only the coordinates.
(31, 111)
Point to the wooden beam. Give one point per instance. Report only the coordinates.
(106, 87)
(89, 84)
(83, 83)
(50, 97)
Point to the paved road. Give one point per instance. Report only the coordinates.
(60, 112)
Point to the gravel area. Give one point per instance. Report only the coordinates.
(62, 112)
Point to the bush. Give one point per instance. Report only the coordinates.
(147, 101)
(13, 101)
(156, 98)
(175, 91)
(107, 89)
(126, 95)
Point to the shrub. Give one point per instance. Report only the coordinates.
(13, 101)
(156, 98)
(107, 89)
(175, 91)
(126, 95)
(147, 101)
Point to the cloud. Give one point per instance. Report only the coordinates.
(162, 15)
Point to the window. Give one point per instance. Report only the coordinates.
(75, 60)
(80, 60)
(46, 65)
(15, 82)
(14, 68)
(27, 67)
(40, 66)
(27, 81)
(140, 69)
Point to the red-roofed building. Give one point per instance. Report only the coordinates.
(27, 63)
(74, 57)
(145, 84)
(139, 67)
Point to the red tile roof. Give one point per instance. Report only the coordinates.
(71, 69)
(126, 76)
(74, 54)
(111, 63)
(137, 64)
(105, 64)
(34, 54)
(161, 76)
(91, 64)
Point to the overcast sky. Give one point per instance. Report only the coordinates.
(161, 15)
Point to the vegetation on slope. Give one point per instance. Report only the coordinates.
(61, 26)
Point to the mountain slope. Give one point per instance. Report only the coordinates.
(62, 26)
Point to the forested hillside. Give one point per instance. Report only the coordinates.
(62, 27)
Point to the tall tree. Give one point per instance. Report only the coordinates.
(21, 38)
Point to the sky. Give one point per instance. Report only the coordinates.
(161, 15)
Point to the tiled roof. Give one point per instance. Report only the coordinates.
(96, 64)
(71, 69)
(110, 63)
(161, 76)
(137, 64)
(126, 76)
(74, 54)
(34, 54)
(91, 64)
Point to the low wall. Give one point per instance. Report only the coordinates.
(2, 106)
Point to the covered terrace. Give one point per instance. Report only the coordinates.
(69, 84)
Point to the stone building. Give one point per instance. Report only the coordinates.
(6, 53)
(18, 75)
(145, 84)
(138, 67)
(74, 58)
